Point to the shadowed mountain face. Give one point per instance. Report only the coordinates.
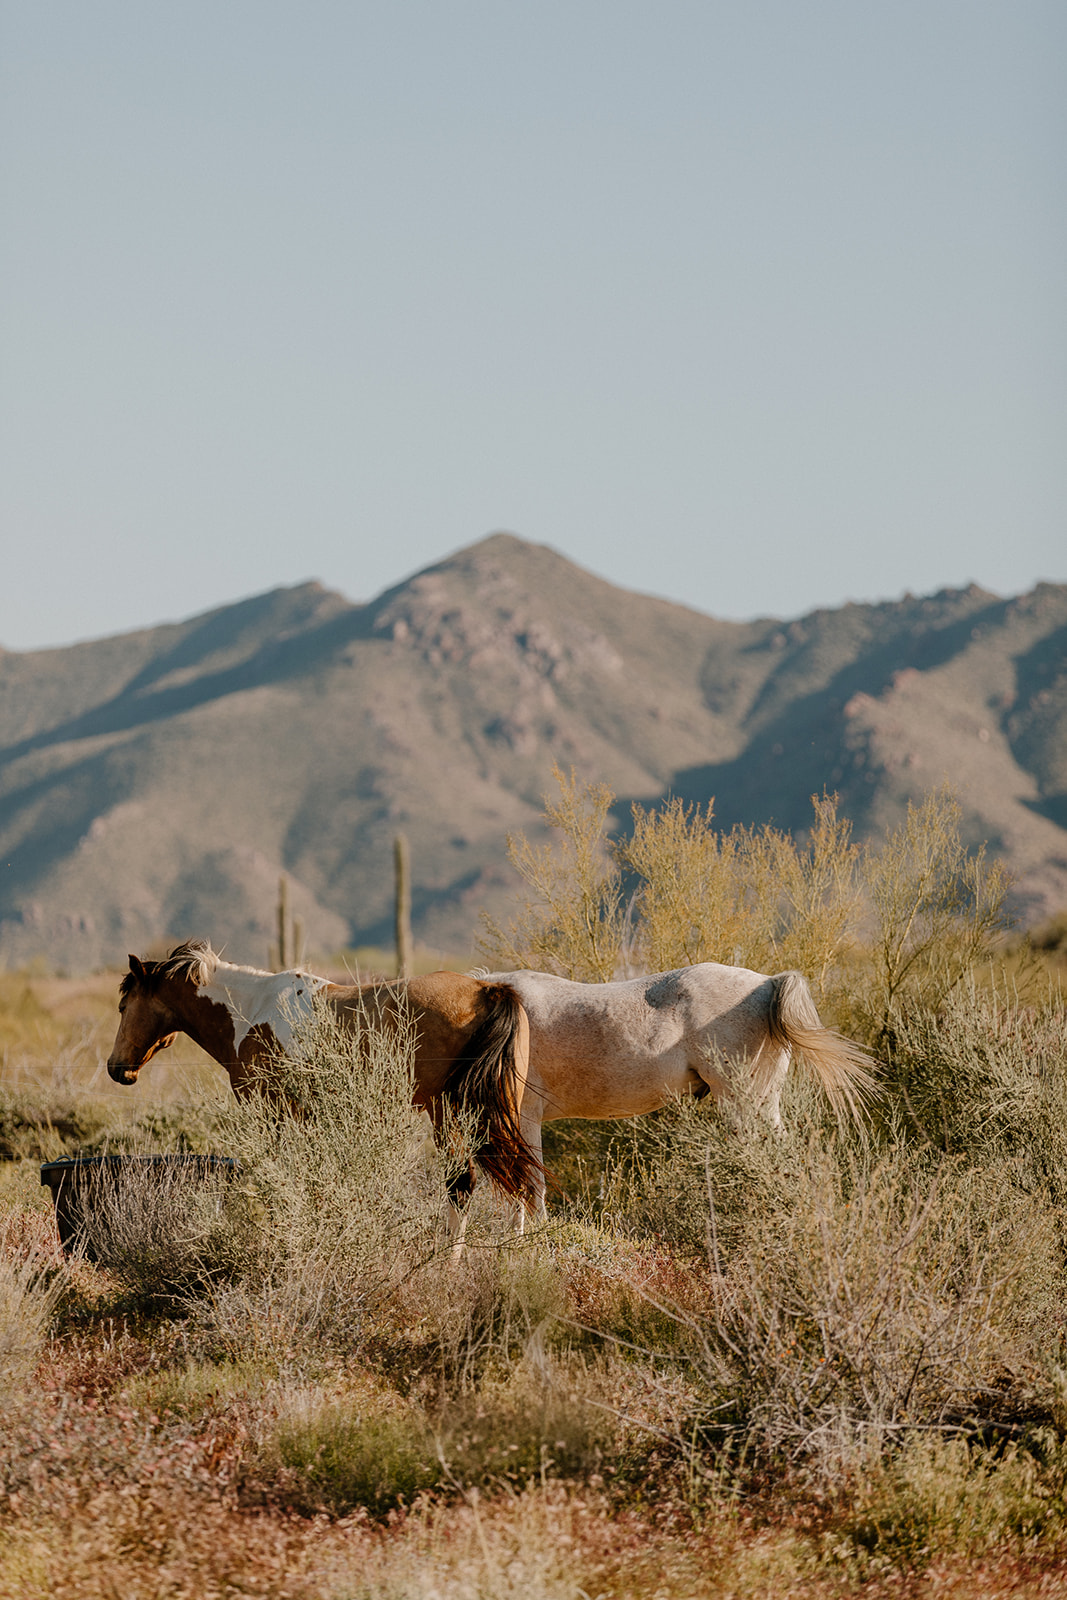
(154, 785)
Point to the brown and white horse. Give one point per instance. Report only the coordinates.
(471, 1050)
(605, 1050)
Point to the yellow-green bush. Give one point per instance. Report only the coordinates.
(936, 1496)
(371, 1448)
(878, 931)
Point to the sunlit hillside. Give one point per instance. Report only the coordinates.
(155, 785)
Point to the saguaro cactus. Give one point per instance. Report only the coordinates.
(283, 923)
(403, 907)
(290, 948)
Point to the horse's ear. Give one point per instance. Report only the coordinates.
(136, 968)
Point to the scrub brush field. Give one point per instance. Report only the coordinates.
(824, 1361)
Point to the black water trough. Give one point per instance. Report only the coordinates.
(76, 1181)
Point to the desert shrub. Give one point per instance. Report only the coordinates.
(984, 1074)
(693, 1178)
(986, 1078)
(985, 1082)
(752, 897)
(162, 1233)
(856, 1290)
(881, 1302)
(345, 1191)
(936, 911)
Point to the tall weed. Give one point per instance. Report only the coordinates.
(575, 925)
(937, 908)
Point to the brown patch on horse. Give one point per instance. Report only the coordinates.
(255, 1061)
(482, 1076)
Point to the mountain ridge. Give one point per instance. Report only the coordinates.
(154, 784)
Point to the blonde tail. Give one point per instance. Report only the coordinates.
(845, 1070)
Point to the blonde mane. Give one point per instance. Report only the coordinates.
(193, 962)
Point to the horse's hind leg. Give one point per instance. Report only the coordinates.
(535, 1201)
(750, 1083)
(769, 1105)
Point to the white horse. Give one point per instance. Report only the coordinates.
(605, 1050)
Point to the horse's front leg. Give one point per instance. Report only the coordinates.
(457, 1228)
(460, 1189)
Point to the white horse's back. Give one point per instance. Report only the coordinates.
(621, 1049)
(605, 1050)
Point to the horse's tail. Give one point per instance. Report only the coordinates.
(845, 1071)
(488, 1079)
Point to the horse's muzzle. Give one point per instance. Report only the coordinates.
(121, 1072)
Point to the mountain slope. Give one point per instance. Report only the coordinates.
(154, 785)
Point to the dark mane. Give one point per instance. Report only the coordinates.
(192, 962)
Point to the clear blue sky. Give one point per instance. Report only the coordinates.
(756, 305)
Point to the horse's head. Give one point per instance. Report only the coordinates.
(148, 1021)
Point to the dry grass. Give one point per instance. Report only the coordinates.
(30, 1287)
(165, 1234)
(554, 1543)
(842, 1295)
